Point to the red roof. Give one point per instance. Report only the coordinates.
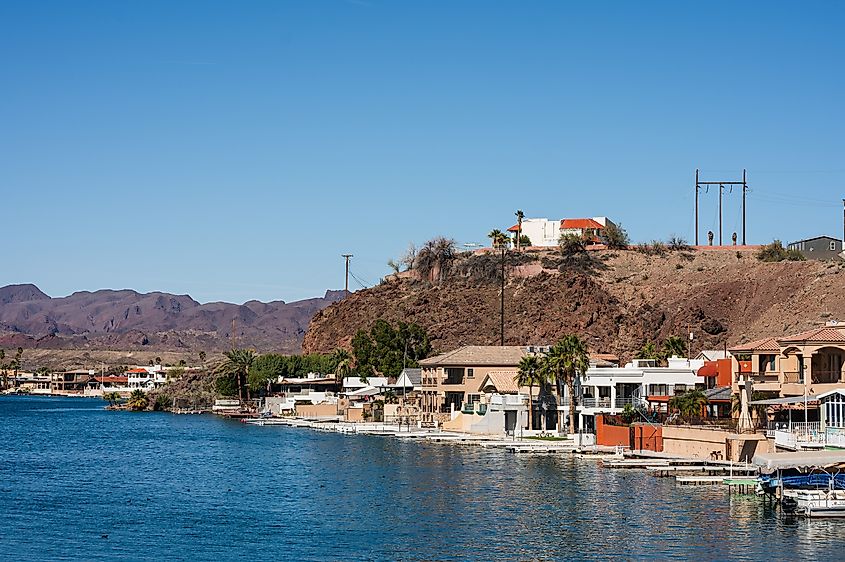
(580, 223)
(514, 228)
(112, 379)
(766, 344)
(818, 334)
(137, 371)
(710, 369)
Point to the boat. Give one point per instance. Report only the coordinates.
(814, 503)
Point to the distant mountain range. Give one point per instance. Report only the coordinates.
(127, 320)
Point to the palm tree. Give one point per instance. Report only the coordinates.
(111, 397)
(648, 351)
(238, 363)
(566, 360)
(528, 374)
(519, 216)
(498, 237)
(674, 345)
(689, 404)
(342, 360)
(138, 400)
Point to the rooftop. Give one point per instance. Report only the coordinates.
(580, 223)
(472, 355)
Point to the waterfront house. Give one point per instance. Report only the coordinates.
(146, 378)
(819, 248)
(70, 382)
(452, 379)
(807, 363)
(33, 383)
(639, 384)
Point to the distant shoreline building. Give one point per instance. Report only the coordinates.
(819, 248)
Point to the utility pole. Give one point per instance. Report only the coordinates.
(697, 187)
(721, 184)
(721, 191)
(744, 190)
(346, 284)
(502, 310)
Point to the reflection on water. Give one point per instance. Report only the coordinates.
(90, 484)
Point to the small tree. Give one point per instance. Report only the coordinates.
(138, 401)
(615, 237)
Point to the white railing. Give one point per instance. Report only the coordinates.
(796, 427)
(835, 437)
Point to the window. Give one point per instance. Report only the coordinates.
(454, 375)
(680, 388)
(473, 398)
(470, 373)
(767, 363)
(833, 246)
(658, 390)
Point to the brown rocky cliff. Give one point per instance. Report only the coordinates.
(626, 299)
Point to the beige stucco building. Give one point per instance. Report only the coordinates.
(455, 380)
(811, 362)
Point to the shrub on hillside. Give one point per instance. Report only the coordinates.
(615, 237)
(775, 252)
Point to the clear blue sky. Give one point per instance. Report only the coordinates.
(233, 150)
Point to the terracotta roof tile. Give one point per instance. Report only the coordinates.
(580, 223)
(826, 334)
(503, 381)
(471, 355)
(766, 344)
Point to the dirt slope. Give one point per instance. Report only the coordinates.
(620, 301)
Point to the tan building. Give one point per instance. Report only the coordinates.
(812, 362)
(453, 381)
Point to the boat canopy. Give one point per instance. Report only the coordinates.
(800, 460)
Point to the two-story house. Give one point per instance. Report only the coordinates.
(808, 363)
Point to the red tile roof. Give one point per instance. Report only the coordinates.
(826, 334)
(766, 344)
(514, 228)
(112, 379)
(137, 371)
(580, 223)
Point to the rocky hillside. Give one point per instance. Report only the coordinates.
(128, 320)
(616, 300)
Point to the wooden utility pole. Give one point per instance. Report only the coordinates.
(697, 187)
(502, 309)
(346, 284)
(721, 191)
(721, 184)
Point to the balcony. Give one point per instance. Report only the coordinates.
(758, 376)
(826, 377)
(792, 377)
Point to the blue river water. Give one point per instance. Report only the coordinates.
(81, 483)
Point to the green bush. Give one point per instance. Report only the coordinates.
(775, 252)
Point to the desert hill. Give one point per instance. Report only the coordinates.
(127, 320)
(616, 300)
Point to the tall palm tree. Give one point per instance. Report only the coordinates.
(674, 345)
(566, 360)
(519, 216)
(238, 363)
(527, 374)
(342, 361)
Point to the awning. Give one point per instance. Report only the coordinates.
(801, 460)
(710, 369)
(787, 400)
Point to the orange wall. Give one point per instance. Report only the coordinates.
(612, 435)
(725, 368)
(647, 437)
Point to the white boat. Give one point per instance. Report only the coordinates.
(814, 503)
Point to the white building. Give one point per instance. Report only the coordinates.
(607, 390)
(146, 378)
(547, 233)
